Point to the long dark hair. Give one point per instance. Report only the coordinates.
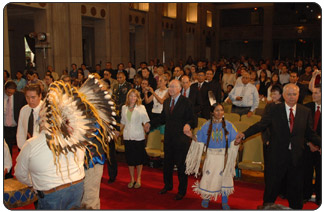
(210, 127)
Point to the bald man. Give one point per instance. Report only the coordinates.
(244, 96)
(290, 126)
(177, 115)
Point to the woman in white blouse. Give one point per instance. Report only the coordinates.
(158, 96)
(134, 124)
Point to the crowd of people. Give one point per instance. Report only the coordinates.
(171, 98)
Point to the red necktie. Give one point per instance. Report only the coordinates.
(316, 118)
(184, 93)
(172, 105)
(291, 120)
(199, 86)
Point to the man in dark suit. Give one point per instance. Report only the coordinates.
(192, 93)
(289, 123)
(13, 101)
(177, 115)
(312, 157)
(299, 69)
(215, 87)
(178, 73)
(203, 89)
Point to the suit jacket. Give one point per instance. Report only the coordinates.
(205, 105)
(195, 98)
(215, 87)
(19, 102)
(181, 115)
(276, 119)
(300, 72)
(311, 106)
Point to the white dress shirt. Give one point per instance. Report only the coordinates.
(284, 78)
(22, 128)
(131, 72)
(187, 92)
(248, 92)
(288, 113)
(12, 118)
(35, 165)
(133, 129)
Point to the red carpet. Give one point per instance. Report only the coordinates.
(117, 196)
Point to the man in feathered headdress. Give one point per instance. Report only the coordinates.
(70, 121)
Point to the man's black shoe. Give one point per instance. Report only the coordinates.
(111, 181)
(164, 190)
(179, 197)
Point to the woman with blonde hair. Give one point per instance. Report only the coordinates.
(134, 124)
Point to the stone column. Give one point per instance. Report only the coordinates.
(158, 28)
(215, 50)
(42, 54)
(267, 47)
(154, 32)
(75, 25)
(100, 42)
(119, 33)
(6, 53)
(200, 38)
(60, 37)
(180, 32)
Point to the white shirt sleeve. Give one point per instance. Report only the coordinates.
(21, 169)
(123, 114)
(7, 157)
(145, 117)
(255, 103)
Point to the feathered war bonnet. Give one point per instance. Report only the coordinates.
(70, 116)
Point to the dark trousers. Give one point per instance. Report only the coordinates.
(294, 183)
(240, 110)
(175, 156)
(112, 163)
(9, 134)
(312, 161)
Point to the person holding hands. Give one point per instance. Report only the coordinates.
(217, 135)
(133, 118)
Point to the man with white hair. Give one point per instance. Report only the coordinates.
(290, 126)
(178, 117)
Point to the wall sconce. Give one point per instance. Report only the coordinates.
(41, 42)
(40, 36)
